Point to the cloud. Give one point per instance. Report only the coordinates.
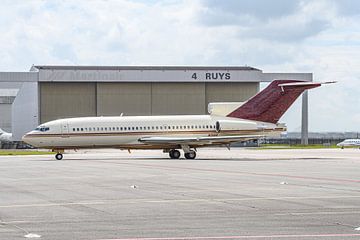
(347, 7)
(233, 11)
(282, 36)
(279, 20)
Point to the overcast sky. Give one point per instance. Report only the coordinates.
(320, 36)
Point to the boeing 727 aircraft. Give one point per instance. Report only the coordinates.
(254, 119)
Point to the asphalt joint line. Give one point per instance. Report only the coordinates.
(356, 228)
(27, 233)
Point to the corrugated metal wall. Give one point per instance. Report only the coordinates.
(128, 98)
(60, 100)
(178, 98)
(230, 92)
(5, 117)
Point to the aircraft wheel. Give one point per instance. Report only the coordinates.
(190, 155)
(59, 156)
(174, 154)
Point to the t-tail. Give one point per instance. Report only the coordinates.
(272, 102)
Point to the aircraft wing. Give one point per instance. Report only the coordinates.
(199, 140)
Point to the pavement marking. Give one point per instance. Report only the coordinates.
(50, 204)
(32, 235)
(241, 172)
(134, 201)
(316, 213)
(244, 237)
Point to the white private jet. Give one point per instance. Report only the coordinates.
(349, 143)
(226, 123)
(5, 136)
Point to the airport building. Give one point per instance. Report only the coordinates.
(51, 92)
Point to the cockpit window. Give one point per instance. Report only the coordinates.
(42, 129)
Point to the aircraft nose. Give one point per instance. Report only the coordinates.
(27, 138)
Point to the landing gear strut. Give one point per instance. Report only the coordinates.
(59, 156)
(174, 154)
(190, 155)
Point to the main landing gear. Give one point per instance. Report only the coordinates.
(175, 154)
(190, 155)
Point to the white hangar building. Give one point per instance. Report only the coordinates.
(51, 92)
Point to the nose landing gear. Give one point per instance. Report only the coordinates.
(59, 153)
(59, 156)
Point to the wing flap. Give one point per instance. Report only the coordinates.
(198, 140)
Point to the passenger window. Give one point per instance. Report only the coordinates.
(73, 129)
(133, 128)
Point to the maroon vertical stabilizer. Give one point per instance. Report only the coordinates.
(272, 102)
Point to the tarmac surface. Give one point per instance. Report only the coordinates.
(237, 194)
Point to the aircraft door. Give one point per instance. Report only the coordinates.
(64, 129)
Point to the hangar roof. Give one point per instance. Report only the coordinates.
(73, 73)
(184, 68)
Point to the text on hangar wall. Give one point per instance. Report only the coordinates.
(212, 76)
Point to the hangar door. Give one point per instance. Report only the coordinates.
(230, 91)
(62, 100)
(131, 99)
(178, 98)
